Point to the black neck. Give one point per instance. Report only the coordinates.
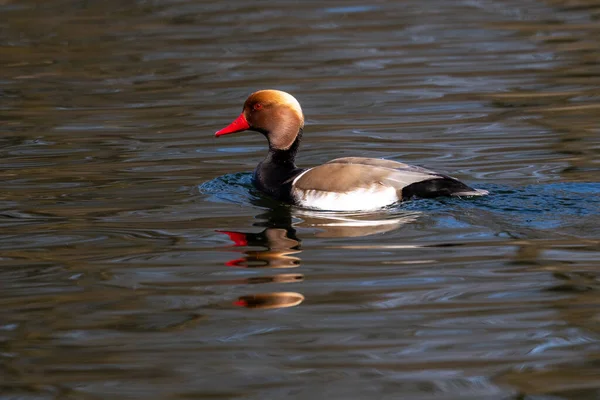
(275, 173)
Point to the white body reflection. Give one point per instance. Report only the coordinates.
(338, 224)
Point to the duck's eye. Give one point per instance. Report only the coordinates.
(257, 106)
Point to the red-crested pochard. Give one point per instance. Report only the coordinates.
(343, 184)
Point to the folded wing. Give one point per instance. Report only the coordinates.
(360, 175)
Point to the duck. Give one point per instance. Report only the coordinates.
(348, 184)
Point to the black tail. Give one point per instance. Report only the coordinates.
(437, 187)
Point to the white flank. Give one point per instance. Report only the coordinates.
(370, 199)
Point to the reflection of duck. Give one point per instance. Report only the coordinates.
(279, 236)
(279, 242)
(343, 184)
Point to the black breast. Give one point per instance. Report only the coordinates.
(275, 180)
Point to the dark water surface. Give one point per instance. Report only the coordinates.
(137, 262)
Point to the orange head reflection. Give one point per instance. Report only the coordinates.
(278, 252)
(270, 300)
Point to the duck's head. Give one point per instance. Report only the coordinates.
(274, 113)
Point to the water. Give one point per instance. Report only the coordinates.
(137, 262)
